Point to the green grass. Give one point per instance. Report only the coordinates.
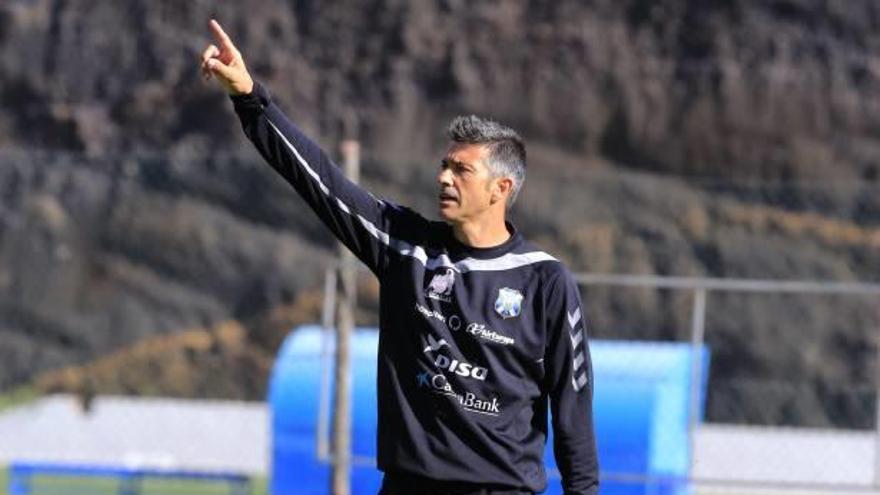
(18, 396)
(260, 485)
(69, 485)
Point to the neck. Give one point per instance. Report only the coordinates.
(481, 234)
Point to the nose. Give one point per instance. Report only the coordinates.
(444, 177)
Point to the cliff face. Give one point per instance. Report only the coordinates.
(132, 205)
(781, 89)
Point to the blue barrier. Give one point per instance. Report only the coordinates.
(22, 474)
(641, 413)
(294, 390)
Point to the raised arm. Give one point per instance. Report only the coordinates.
(570, 388)
(369, 227)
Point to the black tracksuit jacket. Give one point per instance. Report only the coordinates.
(475, 343)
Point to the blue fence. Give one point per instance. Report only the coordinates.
(641, 412)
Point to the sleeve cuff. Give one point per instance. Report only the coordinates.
(255, 101)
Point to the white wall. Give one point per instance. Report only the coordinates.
(139, 432)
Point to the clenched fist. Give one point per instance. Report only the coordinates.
(225, 64)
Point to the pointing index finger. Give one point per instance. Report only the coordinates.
(221, 35)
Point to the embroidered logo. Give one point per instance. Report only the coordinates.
(440, 287)
(509, 302)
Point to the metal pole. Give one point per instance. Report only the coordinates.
(327, 320)
(341, 467)
(698, 329)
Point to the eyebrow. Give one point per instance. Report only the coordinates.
(451, 161)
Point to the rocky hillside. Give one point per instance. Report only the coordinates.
(775, 89)
(734, 138)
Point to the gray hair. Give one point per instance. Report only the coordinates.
(506, 149)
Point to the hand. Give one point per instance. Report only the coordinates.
(225, 63)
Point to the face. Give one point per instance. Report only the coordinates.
(467, 189)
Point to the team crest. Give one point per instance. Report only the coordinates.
(509, 303)
(440, 287)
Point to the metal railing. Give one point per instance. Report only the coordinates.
(701, 288)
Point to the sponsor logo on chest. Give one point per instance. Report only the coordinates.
(477, 330)
(480, 331)
(460, 368)
(468, 401)
(430, 313)
(446, 363)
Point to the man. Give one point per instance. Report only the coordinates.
(479, 331)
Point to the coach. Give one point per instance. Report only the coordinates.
(480, 331)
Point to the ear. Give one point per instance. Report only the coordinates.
(501, 189)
